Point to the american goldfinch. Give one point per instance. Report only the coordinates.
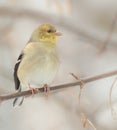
(38, 61)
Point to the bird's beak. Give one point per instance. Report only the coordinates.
(58, 34)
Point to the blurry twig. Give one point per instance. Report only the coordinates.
(43, 17)
(69, 5)
(84, 119)
(113, 112)
(111, 30)
(59, 87)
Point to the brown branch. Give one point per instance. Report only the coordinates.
(111, 30)
(84, 119)
(113, 111)
(58, 87)
(44, 17)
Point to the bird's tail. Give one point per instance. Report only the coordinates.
(18, 101)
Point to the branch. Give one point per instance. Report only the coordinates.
(58, 87)
(44, 17)
(111, 30)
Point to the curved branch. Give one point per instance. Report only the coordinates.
(58, 87)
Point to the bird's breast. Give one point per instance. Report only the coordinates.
(39, 67)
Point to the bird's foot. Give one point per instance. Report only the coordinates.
(46, 89)
(33, 90)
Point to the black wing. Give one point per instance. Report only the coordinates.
(16, 80)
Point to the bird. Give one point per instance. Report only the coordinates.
(38, 61)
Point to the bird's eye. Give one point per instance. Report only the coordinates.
(49, 31)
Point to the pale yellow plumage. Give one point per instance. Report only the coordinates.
(39, 66)
(39, 59)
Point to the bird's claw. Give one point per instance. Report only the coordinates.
(33, 90)
(46, 89)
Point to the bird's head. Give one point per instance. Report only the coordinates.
(45, 33)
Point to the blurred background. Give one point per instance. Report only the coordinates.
(88, 46)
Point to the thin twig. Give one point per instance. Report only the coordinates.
(58, 87)
(43, 17)
(111, 30)
(113, 111)
(84, 118)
